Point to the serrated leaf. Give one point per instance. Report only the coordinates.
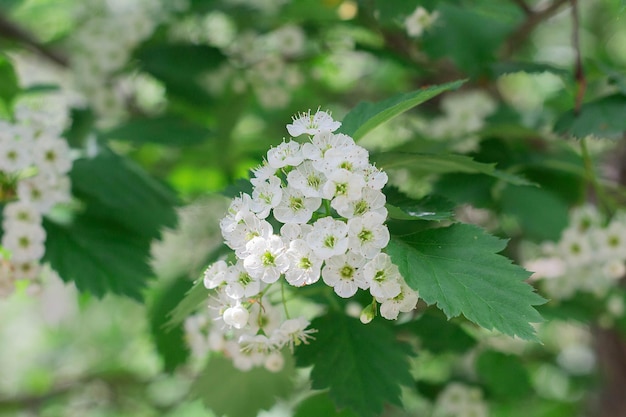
(432, 207)
(504, 375)
(115, 188)
(437, 334)
(366, 116)
(99, 256)
(165, 130)
(170, 342)
(193, 299)
(458, 269)
(603, 117)
(233, 393)
(426, 164)
(363, 366)
(319, 405)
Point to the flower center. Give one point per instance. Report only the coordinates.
(346, 272)
(268, 259)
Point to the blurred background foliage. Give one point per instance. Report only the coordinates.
(183, 97)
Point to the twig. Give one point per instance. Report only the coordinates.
(525, 7)
(579, 73)
(533, 19)
(10, 30)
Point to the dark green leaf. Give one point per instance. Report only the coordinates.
(170, 342)
(9, 85)
(426, 164)
(319, 405)
(115, 188)
(504, 375)
(366, 116)
(458, 268)
(523, 202)
(501, 68)
(99, 256)
(193, 299)
(437, 334)
(232, 393)
(603, 117)
(432, 207)
(164, 130)
(363, 365)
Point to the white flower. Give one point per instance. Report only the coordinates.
(321, 121)
(215, 274)
(52, 156)
(292, 333)
(26, 242)
(551, 267)
(610, 242)
(375, 178)
(404, 302)
(344, 274)
(419, 21)
(306, 179)
(329, 237)
(42, 194)
(367, 234)
(27, 270)
(238, 209)
(264, 171)
(236, 316)
(342, 187)
(383, 277)
(14, 155)
(274, 362)
(371, 201)
(304, 265)
(614, 269)
(256, 343)
(293, 231)
(265, 258)
(353, 158)
(295, 207)
(266, 195)
(239, 283)
(249, 227)
(285, 154)
(19, 212)
(575, 248)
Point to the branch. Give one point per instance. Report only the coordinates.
(533, 19)
(579, 73)
(12, 31)
(525, 7)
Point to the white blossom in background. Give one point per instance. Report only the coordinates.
(589, 257)
(34, 165)
(460, 400)
(419, 21)
(315, 213)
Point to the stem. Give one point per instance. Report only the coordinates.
(603, 199)
(327, 207)
(579, 73)
(284, 299)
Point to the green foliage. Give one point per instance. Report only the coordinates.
(232, 393)
(165, 130)
(603, 117)
(191, 301)
(320, 405)
(367, 116)
(438, 334)
(458, 269)
(504, 375)
(431, 207)
(362, 365)
(502, 68)
(170, 342)
(9, 85)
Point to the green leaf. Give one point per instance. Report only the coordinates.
(99, 256)
(9, 84)
(438, 334)
(234, 393)
(319, 405)
(363, 366)
(193, 299)
(426, 164)
(170, 342)
(504, 375)
(366, 116)
(603, 117)
(458, 268)
(432, 207)
(164, 130)
(523, 202)
(115, 188)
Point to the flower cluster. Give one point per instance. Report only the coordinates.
(589, 257)
(316, 211)
(419, 21)
(34, 162)
(460, 400)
